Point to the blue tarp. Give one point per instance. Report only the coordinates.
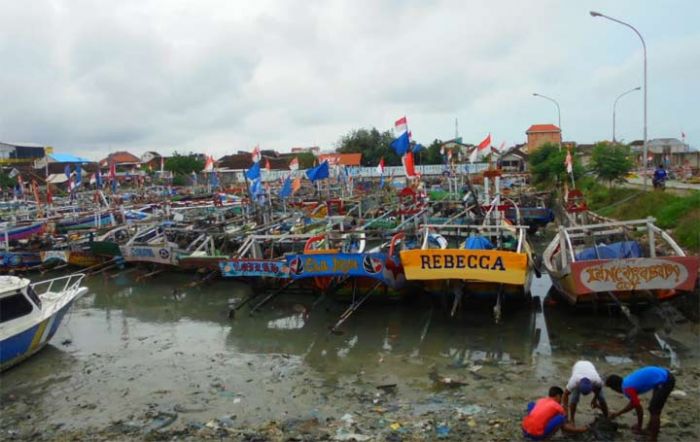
(68, 158)
(478, 243)
(618, 250)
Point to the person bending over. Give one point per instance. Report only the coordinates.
(546, 416)
(584, 380)
(658, 379)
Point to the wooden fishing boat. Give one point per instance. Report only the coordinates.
(618, 262)
(30, 314)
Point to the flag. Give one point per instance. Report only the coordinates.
(401, 125)
(49, 196)
(35, 189)
(66, 170)
(214, 179)
(408, 165)
(418, 148)
(400, 144)
(319, 172)
(449, 155)
(254, 172)
(296, 185)
(98, 179)
(78, 175)
(286, 190)
(256, 188)
(194, 178)
(267, 165)
(209, 164)
(294, 164)
(256, 154)
(569, 162)
(480, 148)
(682, 134)
(162, 165)
(113, 170)
(380, 167)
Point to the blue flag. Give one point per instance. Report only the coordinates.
(214, 179)
(319, 172)
(286, 190)
(66, 170)
(78, 175)
(114, 185)
(418, 148)
(400, 145)
(98, 179)
(254, 172)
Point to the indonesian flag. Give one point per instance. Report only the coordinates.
(267, 165)
(569, 162)
(209, 164)
(256, 154)
(408, 165)
(380, 167)
(294, 164)
(400, 126)
(480, 148)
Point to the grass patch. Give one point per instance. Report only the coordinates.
(680, 214)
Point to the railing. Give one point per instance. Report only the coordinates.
(67, 283)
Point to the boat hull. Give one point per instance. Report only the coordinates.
(18, 347)
(19, 260)
(630, 280)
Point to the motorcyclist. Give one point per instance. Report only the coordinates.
(660, 176)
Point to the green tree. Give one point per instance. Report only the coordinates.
(433, 155)
(372, 144)
(180, 164)
(6, 181)
(611, 162)
(547, 165)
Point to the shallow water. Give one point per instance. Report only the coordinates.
(131, 349)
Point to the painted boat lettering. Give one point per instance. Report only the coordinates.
(461, 262)
(634, 274)
(253, 267)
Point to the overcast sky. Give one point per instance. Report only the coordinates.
(90, 77)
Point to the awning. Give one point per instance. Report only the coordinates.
(57, 178)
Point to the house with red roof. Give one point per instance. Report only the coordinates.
(539, 134)
(341, 159)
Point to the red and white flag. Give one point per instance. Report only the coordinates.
(380, 167)
(267, 164)
(486, 143)
(162, 167)
(113, 169)
(294, 164)
(256, 154)
(569, 162)
(400, 126)
(408, 164)
(209, 164)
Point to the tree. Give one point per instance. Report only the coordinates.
(611, 162)
(547, 165)
(433, 155)
(180, 164)
(372, 144)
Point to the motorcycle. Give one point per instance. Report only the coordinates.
(659, 183)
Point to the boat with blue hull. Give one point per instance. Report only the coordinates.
(30, 314)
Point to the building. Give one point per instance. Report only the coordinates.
(151, 160)
(122, 160)
(513, 159)
(316, 150)
(18, 153)
(539, 134)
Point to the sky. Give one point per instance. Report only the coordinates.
(92, 77)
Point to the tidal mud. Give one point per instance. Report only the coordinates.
(155, 360)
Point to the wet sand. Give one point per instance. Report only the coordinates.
(149, 360)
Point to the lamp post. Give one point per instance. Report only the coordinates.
(644, 46)
(615, 105)
(558, 113)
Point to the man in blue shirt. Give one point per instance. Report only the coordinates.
(660, 175)
(658, 379)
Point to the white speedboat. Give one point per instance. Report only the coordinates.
(30, 313)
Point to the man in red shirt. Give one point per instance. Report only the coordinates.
(546, 416)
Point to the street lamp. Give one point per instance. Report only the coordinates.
(558, 113)
(615, 105)
(644, 46)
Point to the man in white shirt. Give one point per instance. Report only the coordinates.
(584, 380)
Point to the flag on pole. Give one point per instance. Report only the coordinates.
(267, 165)
(66, 170)
(319, 172)
(294, 164)
(162, 165)
(380, 167)
(256, 154)
(418, 147)
(569, 162)
(194, 178)
(49, 196)
(408, 165)
(486, 143)
(254, 172)
(403, 137)
(209, 164)
(286, 190)
(78, 175)
(98, 179)
(296, 185)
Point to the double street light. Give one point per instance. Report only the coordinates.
(615, 105)
(644, 46)
(558, 112)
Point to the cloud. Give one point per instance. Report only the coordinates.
(220, 76)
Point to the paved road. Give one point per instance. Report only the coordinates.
(670, 184)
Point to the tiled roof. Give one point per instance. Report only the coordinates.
(119, 158)
(543, 128)
(341, 159)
